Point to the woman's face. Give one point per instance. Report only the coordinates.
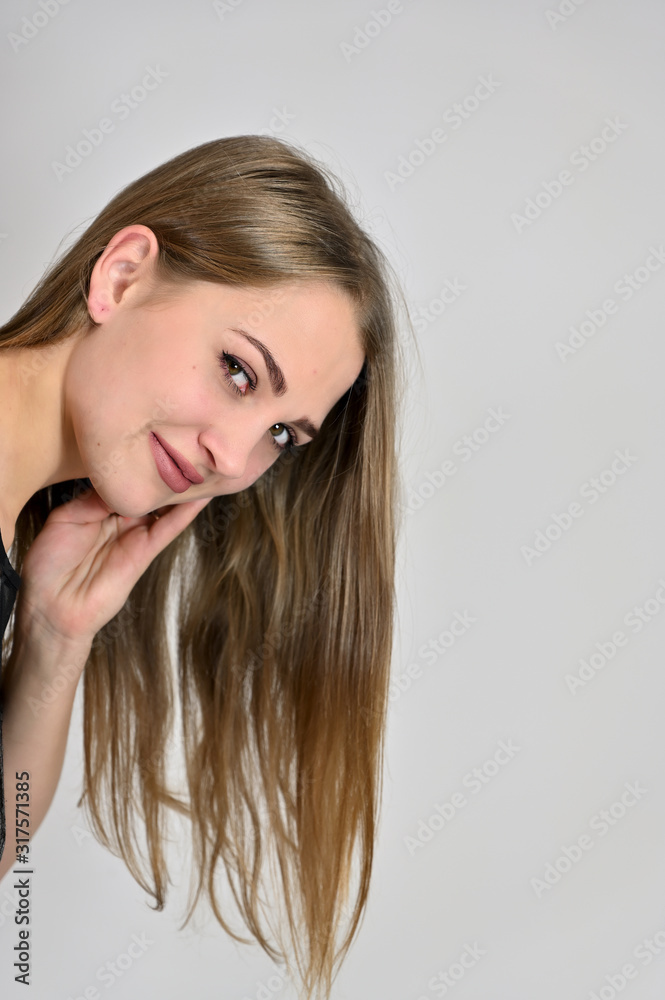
(223, 375)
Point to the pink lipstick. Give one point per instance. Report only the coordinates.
(169, 468)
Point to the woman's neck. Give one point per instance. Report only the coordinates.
(37, 443)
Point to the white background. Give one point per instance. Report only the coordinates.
(454, 217)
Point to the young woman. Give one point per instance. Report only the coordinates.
(201, 394)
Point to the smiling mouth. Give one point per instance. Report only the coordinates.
(184, 467)
(168, 470)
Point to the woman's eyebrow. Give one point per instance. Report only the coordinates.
(275, 373)
(277, 380)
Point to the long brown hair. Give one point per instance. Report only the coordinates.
(282, 596)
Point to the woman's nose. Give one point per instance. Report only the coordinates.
(231, 447)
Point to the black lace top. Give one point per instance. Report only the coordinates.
(9, 584)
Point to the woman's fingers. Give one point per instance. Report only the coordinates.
(82, 566)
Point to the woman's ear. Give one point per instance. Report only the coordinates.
(127, 262)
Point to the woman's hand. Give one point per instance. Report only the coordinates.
(83, 564)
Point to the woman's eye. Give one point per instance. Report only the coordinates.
(284, 437)
(233, 371)
(239, 379)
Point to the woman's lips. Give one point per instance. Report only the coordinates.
(187, 469)
(168, 470)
